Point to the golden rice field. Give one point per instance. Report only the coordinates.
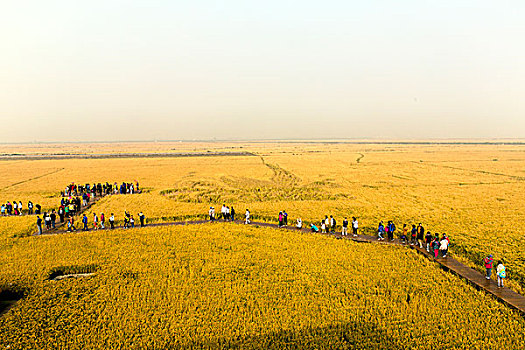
(227, 286)
(232, 286)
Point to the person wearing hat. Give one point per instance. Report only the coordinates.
(488, 265)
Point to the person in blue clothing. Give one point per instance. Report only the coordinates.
(380, 232)
(285, 218)
(85, 223)
(391, 229)
(314, 228)
(413, 235)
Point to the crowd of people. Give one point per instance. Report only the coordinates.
(98, 222)
(16, 208)
(101, 189)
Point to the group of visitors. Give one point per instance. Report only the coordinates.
(500, 269)
(101, 189)
(227, 214)
(98, 222)
(16, 208)
(283, 218)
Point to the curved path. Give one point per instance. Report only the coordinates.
(506, 295)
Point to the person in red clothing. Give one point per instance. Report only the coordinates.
(488, 265)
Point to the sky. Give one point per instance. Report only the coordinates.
(236, 70)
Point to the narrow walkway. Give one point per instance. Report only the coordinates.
(506, 295)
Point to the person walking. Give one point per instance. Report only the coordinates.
(53, 218)
(435, 246)
(247, 217)
(285, 218)
(280, 219)
(487, 262)
(380, 231)
(85, 223)
(326, 223)
(502, 274)
(391, 230)
(61, 213)
(355, 226)
(443, 245)
(112, 221)
(232, 213)
(39, 224)
(102, 221)
(413, 235)
(344, 231)
(428, 240)
(420, 235)
(95, 221)
(142, 219)
(132, 221)
(211, 213)
(323, 226)
(404, 234)
(29, 208)
(333, 223)
(47, 220)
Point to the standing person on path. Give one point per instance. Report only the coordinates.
(327, 223)
(344, 231)
(102, 221)
(47, 220)
(443, 245)
(20, 207)
(502, 274)
(132, 221)
(420, 235)
(95, 221)
(435, 246)
(333, 222)
(211, 213)
(299, 224)
(53, 218)
(61, 213)
(488, 261)
(223, 212)
(142, 219)
(380, 232)
(247, 217)
(413, 235)
(280, 219)
(85, 223)
(404, 234)
(29, 208)
(391, 230)
(355, 226)
(232, 213)
(39, 224)
(428, 240)
(112, 221)
(285, 218)
(323, 226)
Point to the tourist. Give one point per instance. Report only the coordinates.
(47, 220)
(435, 246)
(53, 218)
(132, 221)
(29, 208)
(355, 226)
(280, 219)
(326, 223)
(85, 223)
(428, 240)
(333, 222)
(211, 213)
(142, 219)
(344, 231)
(95, 221)
(39, 224)
(323, 226)
(285, 218)
(413, 235)
(404, 234)
(232, 214)
(391, 230)
(443, 245)
(420, 235)
(112, 221)
(502, 274)
(2, 209)
(247, 217)
(299, 224)
(102, 220)
(314, 228)
(380, 232)
(488, 261)
(20, 207)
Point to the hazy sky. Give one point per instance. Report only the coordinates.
(232, 69)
